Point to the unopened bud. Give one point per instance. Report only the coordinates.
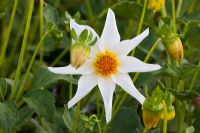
(156, 5)
(174, 48)
(151, 115)
(79, 54)
(170, 114)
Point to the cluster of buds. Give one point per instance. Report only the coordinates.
(80, 47)
(156, 5)
(171, 41)
(157, 107)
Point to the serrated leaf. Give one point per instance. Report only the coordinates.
(43, 77)
(42, 102)
(8, 116)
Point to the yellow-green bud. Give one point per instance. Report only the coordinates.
(79, 54)
(174, 48)
(151, 117)
(156, 5)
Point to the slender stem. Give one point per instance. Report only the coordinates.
(97, 121)
(70, 89)
(41, 27)
(8, 31)
(76, 118)
(14, 48)
(22, 87)
(163, 11)
(134, 79)
(98, 103)
(89, 9)
(145, 130)
(194, 79)
(174, 15)
(148, 56)
(1, 95)
(59, 57)
(165, 117)
(24, 43)
(141, 22)
(178, 10)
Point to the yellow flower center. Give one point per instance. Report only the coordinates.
(106, 63)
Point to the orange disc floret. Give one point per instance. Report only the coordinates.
(106, 63)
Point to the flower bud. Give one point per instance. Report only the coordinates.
(170, 113)
(196, 101)
(151, 115)
(79, 54)
(156, 5)
(174, 47)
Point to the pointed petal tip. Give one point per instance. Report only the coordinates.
(70, 104)
(108, 118)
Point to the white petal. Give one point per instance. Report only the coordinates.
(93, 51)
(132, 64)
(85, 69)
(107, 87)
(79, 28)
(125, 47)
(85, 84)
(125, 82)
(110, 35)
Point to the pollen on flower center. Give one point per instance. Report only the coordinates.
(106, 63)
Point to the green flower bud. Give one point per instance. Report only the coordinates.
(79, 54)
(174, 47)
(151, 114)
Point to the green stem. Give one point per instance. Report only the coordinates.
(22, 87)
(141, 22)
(134, 79)
(178, 10)
(97, 121)
(76, 118)
(41, 27)
(194, 79)
(8, 31)
(89, 9)
(70, 89)
(148, 56)
(24, 43)
(59, 57)
(145, 130)
(14, 48)
(163, 11)
(1, 95)
(174, 15)
(98, 102)
(165, 118)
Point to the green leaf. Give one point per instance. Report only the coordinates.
(192, 17)
(50, 14)
(181, 95)
(189, 129)
(3, 88)
(181, 72)
(84, 35)
(8, 116)
(43, 77)
(67, 117)
(126, 120)
(133, 10)
(74, 35)
(42, 102)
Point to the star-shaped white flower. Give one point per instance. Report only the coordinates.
(107, 65)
